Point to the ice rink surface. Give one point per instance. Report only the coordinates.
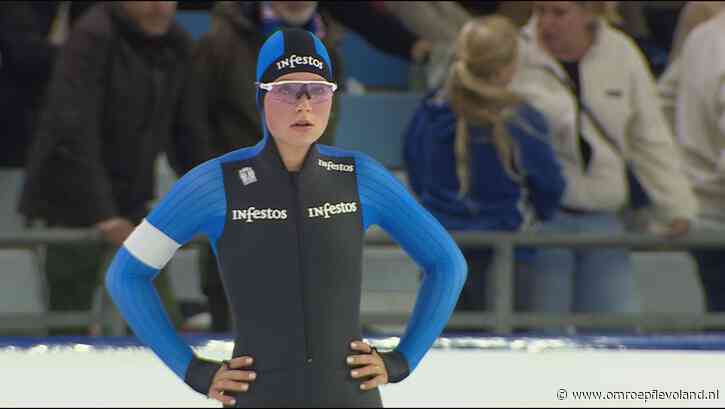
(478, 372)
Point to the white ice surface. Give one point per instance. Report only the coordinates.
(88, 377)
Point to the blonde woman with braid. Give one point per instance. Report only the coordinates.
(477, 156)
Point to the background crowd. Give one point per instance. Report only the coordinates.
(574, 117)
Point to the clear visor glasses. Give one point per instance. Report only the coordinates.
(290, 92)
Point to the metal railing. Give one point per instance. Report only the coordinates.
(502, 319)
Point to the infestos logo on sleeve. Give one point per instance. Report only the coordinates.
(339, 167)
(294, 60)
(328, 209)
(252, 214)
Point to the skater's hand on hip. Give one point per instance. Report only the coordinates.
(368, 366)
(230, 377)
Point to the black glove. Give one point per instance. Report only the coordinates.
(201, 373)
(396, 365)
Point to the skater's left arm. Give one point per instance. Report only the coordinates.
(387, 203)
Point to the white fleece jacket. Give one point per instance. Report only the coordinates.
(619, 88)
(700, 114)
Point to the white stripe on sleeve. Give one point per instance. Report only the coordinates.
(151, 245)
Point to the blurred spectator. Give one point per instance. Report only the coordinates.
(224, 84)
(593, 85)
(661, 17)
(481, 8)
(693, 14)
(30, 33)
(438, 22)
(435, 21)
(701, 134)
(477, 156)
(630, 17)
(114, 103)
(651, 23)
(518, 11)
(380, 29)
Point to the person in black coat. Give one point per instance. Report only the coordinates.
(27, 53)
(115, 102)
(30, 35)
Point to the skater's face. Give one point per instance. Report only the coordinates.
(297, 111)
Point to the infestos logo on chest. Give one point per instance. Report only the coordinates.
(338, 167)
(251, 214)
(325, 211)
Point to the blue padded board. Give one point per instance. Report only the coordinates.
(374, 124)
(370, 66)
(195, 22)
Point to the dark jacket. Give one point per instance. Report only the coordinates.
(224, 71)
(26, 58)
(114, 103)
(381, 29)
(497, 200)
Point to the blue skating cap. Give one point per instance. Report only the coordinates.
(292, 50)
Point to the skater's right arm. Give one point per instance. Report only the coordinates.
(196, 204)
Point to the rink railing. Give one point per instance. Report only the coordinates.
(502, 319)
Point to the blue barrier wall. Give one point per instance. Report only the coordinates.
(374, 124)
(370, 66)
(195, 22)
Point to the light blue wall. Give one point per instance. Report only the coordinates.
(374, 124)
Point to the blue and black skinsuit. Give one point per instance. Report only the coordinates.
(289, 247)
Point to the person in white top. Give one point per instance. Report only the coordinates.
(700, 124)
(692, 15)
(593, 84)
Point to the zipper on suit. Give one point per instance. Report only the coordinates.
(294, 180)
